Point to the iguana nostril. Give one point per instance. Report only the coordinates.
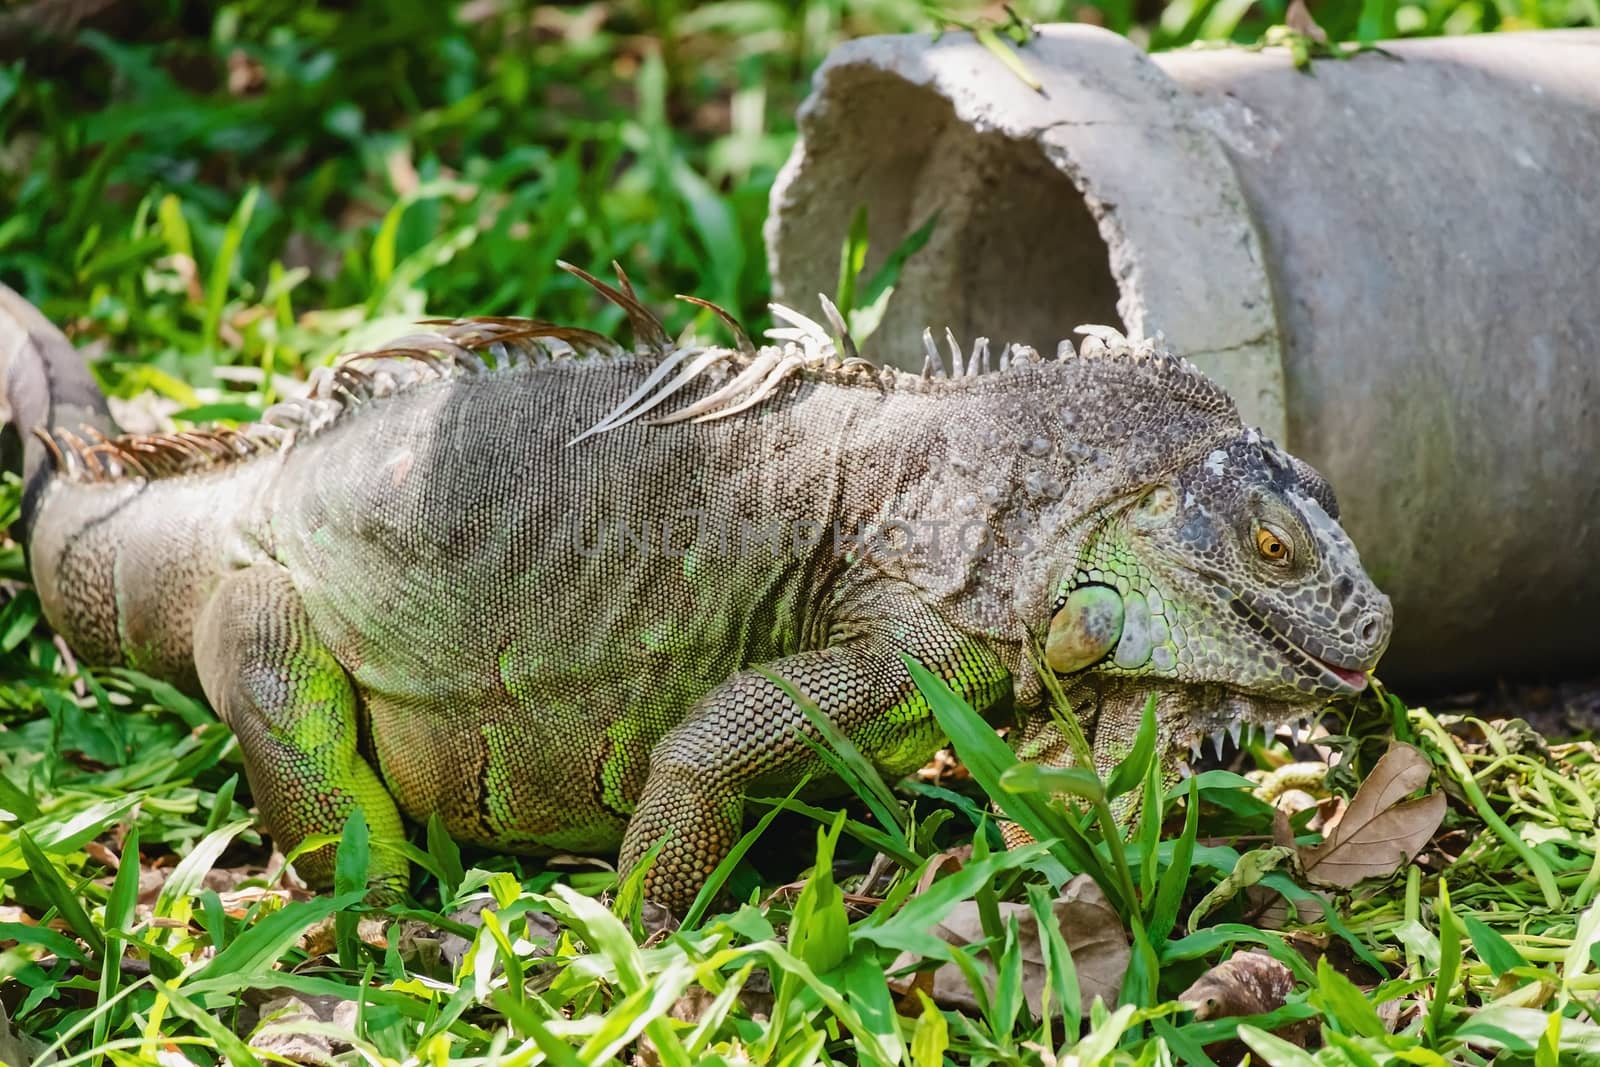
(1370, 629)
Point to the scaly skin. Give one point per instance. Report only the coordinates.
(424, 589)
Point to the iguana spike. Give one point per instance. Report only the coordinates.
(56, 458)
(745, 379)
(706, 358)
(647, 329)
(1101, 342)
(619, 414)
(932, 362)
(741, 339)
(107, 457)
(572, 336)
(805, 325)
(847, 344)
(72, 447)
(350, 381)
(473, 363)
(100, 446)
(955, 352)
(765, 389)
(978, 362)
(419, 342)
(427, 357)
(97, 452)
(622, 279)
(205, 442)
(127, 457)
(1005, 359)
(180, 444)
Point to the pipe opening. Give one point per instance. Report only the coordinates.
(1016, 253)
(1033, 264)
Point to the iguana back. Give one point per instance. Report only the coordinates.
(506, 603)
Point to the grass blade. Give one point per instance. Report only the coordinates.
(350, 866)
(61, 896)
(1175, 879)
(119, 916)
(255, 950)
(222, 269)
(1493, 949)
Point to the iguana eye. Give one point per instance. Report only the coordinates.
(1273, 546)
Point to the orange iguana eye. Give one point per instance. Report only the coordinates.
(1273, 548)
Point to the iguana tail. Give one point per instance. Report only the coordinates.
(44, 383)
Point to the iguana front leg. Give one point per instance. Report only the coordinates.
(1111, 717)
(293, 709)
(746, 734)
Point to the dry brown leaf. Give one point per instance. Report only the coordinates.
(20, 1048)
(1379, 832)
(282, 1034)
(102, 855)
(1089, 925)
(690, 1007)
(1246, 983)
(1268, 909)
(947, 862)
(1397, 1014)
(1298, 18)
(319, 939)
(1282, 831)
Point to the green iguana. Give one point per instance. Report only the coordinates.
(554, 590)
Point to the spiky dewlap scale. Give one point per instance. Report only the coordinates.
(745, 376)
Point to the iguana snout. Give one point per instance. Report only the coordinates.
(1233, 572)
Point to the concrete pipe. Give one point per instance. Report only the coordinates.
(1393, 262)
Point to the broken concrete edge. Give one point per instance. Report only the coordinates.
(1122, 140)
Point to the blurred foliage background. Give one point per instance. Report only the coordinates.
(217, 195)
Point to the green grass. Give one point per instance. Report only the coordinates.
(217, 204)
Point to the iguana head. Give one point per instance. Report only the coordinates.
(1232, 571)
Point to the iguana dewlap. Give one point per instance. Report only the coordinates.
(547, 587)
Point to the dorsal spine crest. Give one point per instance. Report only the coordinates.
(801, 348)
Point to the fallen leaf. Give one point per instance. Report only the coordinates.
(1397, 1014)
(1379, 832)
(283, 1033)
(947, 862)
(1268, 909)
(689, 1008)
(318, 940)
(102, 855)
(1251, 868)
(1246, 983)
(20, 1048)
(1298, 18)
(1090, 926)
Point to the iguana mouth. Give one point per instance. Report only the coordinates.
(1345, 679)
(1356, 681)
